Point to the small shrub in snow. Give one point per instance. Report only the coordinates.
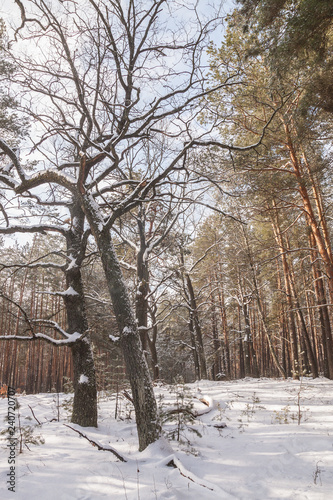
(282, 416)
(68, 385)
(25, 434)
(67, 405)
(179, 416)
(28, 437)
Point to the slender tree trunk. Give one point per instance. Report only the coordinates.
(289, 296)
(224, 325)
(141, 299)
(152, 342)
(260, 308)
(319, 206)
(322, 245)
(194, 319)
(194, 346)
(197, 328)
(251, 366)
(246, 341)
(324, 318)
(241, 349)
(217, 366)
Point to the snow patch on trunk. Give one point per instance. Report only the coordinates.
(72, 264)
(114, 339)
(83, 379)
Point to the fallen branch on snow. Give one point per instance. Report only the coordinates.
(98, 445)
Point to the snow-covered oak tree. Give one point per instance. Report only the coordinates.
(100, 78)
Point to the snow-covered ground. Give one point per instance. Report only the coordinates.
(277, 444)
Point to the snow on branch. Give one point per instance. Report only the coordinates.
(47, 176)
(52, 324)
(38, 228)
(98, 299)
(38, 262)
(45, 265)
(70, 339)
(67, 293)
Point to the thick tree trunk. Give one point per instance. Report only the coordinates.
(137, 369)
(85, 393)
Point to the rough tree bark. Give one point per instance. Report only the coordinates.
(85, 393)
(141, 299)
(147, 420)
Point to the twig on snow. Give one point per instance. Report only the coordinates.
(99, 446)
(33, 414)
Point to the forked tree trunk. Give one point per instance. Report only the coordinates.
(194, 322)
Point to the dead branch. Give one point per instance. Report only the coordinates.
(128, 396)
(98, 446)
(33, 414)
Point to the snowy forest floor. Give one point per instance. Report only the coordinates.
(277, 444)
